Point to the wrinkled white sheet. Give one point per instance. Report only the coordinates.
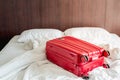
(11, 50)
(33, 65)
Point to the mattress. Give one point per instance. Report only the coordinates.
(16, 63)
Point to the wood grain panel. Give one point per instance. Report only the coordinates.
(70, 12)
(113, 16)
(81, 13)
(19, 15)
(49, 13)
(93, 12)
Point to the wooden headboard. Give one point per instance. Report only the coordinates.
(19, 15)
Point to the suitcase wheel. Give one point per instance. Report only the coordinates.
(106, 53)
(85, 77)
(106, 66)
(84, 58)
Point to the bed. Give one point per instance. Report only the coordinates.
(23, 58)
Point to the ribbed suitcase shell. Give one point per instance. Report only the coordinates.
(67, 51)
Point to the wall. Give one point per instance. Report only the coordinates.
(112, 22)
(19, 15)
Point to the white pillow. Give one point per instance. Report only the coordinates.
(39, 36)
(90, 34)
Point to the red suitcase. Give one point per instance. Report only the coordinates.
(75, 55)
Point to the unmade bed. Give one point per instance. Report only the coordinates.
(24, 58)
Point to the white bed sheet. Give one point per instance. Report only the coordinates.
(19, 64)
(11, 50)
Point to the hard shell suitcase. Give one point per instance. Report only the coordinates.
(75, 55)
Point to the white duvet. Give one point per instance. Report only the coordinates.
(33, 65)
